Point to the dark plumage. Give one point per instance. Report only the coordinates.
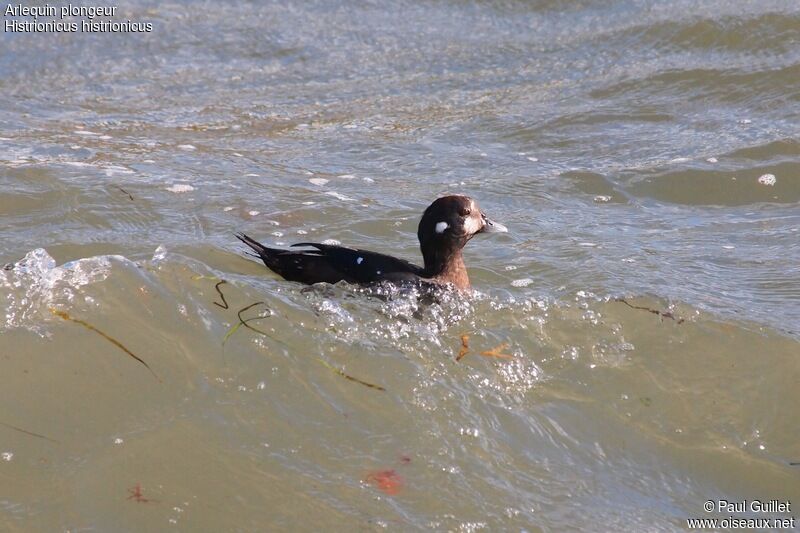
(445, 228)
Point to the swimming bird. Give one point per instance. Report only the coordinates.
(446, 227)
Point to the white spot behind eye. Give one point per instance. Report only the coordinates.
(359, 260)
(441, 226)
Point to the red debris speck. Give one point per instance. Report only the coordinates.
(388, 481)
(137, 496)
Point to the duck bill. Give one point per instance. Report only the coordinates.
(490, 226)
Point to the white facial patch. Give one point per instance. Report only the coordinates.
(441, 226)
(473, 224)
(359, 260)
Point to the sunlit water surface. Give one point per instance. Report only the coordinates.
(640, 150)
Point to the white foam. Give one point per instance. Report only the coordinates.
(339, 196)
(318, 181)
(180, 187)
(767, 179)
(187, 147)
(524, 282)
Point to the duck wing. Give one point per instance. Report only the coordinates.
(329, 263)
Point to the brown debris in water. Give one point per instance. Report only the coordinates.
(464, 347)
(351, 378)
(662, 314)
(25, 431)
(126, 192)
(387, 481)
(112, 340)
(496, 352)
(137, 496)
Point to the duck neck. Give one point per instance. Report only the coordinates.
(446, 266)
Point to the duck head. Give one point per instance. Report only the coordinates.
(445, 228)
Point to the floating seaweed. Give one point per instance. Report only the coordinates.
(464, 347)
(203, 276)
(495, 352)
(224, 303)
(25, 431)
(351, 378)
(124, 191)
(662, 314)
(233, 329)
(246, 321)
(112, 340)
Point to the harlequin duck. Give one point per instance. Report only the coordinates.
(445, 228)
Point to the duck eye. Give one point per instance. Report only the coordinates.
(464, 211)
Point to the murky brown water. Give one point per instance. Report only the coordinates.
(643, 150)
